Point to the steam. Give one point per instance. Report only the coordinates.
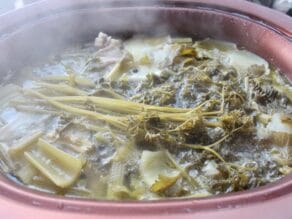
(67, 26)
(18, 4)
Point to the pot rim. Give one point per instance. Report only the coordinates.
(272, 19)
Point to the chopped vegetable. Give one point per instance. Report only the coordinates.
(148, 118)
(22, 146)
(156, 172)
(61, 168)
(279, 130)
